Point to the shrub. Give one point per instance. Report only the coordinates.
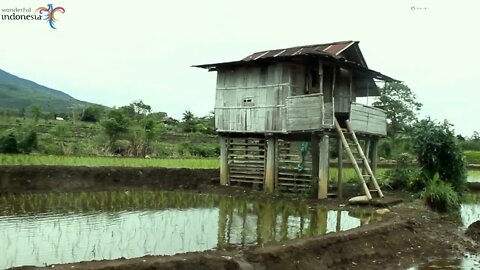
(404, 175)
(437, 150)
(199, 150)
(8, 144)
(440, 196)
(28, 143)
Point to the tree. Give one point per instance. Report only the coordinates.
(400, 104)
(92, 114)
(188, 116)
(115, 125)
(189, 121)
(141, 108)
(437, 151)
(35, 111)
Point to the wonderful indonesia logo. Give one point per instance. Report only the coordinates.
(48, 14)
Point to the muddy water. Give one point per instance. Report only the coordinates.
(469, 213)
(54, 228)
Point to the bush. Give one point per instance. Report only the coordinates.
(28, 143)
(199, 150)
(404, 175)
(8, 144)
(437, 150)
(440, 196)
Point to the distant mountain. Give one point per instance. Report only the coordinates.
(17, 93)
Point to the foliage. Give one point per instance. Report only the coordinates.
(400, 104)
(440, 195)
(24, 142)
(132, 130)
(200, 150)
(404, 174)
(8, 144)
(204, 125)
(115, 124)
(28, 143)
(35, 112)
(92, 114)
(437, 150)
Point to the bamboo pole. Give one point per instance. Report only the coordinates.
(340, 170)
(362, 155)
(352, 158)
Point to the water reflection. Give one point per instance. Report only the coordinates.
(470, 209)
(468, 262)
(56, 228)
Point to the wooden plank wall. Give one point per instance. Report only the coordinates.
(328, 115)
(265, 87)
(342, 96)
(304, 112)
(290, 177)
(246, 159)
(368, 119)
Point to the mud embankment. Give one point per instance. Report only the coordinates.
(17, 179)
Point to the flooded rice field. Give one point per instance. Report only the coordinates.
(54, 228)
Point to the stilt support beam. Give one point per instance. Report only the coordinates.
(323, 165)
(224, 170)
(271, 164)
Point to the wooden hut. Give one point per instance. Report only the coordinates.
(276, 112)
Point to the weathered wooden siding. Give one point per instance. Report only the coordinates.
(328, 114)
(368, 119)
(342, 95)
(305, 112)
(251, 99)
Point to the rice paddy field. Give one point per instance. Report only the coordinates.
(190, 163)
(203, 163)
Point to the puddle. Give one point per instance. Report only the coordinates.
(470, 209)
(55, 228)
(468, 262)
(469, 212)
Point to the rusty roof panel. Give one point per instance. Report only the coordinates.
(332, 49)
(336, 49)
(328, 50)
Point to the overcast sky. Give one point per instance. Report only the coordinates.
(115, 52)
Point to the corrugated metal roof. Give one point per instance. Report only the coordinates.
(332, 49)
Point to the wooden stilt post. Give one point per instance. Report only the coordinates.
(269, 184)
(364, 169)
(323, 165)
(373, 155)
(224, 170)
(315, 161)
(340, 170)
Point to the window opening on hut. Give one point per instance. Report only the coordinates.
(248, 101)
(312, 81)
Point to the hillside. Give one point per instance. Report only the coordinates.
(17, 93)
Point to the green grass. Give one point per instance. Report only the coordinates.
(349, 174)
(472, 157)
(204, 163)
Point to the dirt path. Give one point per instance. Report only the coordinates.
(411, 235)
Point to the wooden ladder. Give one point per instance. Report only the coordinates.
(364, 159)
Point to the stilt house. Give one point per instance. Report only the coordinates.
(277, 112)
